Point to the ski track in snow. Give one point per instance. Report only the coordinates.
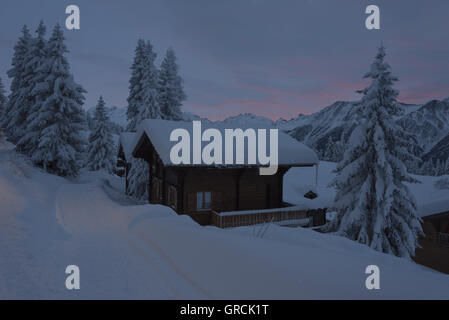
(94, 235)
(118, 260)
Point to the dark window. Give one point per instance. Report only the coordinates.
(172, 196)
(203, 200)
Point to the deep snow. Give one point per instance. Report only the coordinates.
(126, 250)
(298, 181)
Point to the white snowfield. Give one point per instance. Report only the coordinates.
(129, 251)
(297, 181)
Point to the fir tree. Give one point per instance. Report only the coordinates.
(89, 121)
(32, 76)
(35, 90)
(135, 97)
(142, 104)
(373, 205)
(150, 107)
(2, 100)
(60, 141)
(16, 100)
(171, 92)
(101, 146)
(143, 84)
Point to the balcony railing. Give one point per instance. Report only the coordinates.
(316, 217)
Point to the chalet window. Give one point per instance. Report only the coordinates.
(154, 164)
(160, 189)
(203, 200)
(157, 190)
(172, 195)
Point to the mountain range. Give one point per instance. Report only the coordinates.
(327, 130)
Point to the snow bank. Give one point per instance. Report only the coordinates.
(297, 181)
(430, 199)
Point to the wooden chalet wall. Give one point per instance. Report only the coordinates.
(146, 151)
(439, 221)
(231, 189)
(434, 251)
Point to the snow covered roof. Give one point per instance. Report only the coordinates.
(290, 151)
(126, 141)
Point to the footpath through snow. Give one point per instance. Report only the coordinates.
(126, 250)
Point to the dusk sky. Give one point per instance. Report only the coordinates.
(274, 58)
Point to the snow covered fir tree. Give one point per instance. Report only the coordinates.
(171, 91)
(61, 143)
(2, 100)
(143, 86)
(35, 90)
(142, 104)
(12, 120)
(153, 94)
(101, 151)
(373, 205)
(44, 115)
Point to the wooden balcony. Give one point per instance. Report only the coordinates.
(312, 217)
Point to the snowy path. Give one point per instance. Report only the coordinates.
(113, 263)
(54, 223)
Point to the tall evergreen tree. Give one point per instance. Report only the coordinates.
(171, 91)
(373, 205)
(150, 108)
(16, 73)
(135, 97)
(101, 146)
(29, 93)
(142, 99)
(36, 89)
(60, 141)
(2, 100)
(142, 104)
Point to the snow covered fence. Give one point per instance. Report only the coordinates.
(246, 218)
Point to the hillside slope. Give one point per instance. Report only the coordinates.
(126, 250)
